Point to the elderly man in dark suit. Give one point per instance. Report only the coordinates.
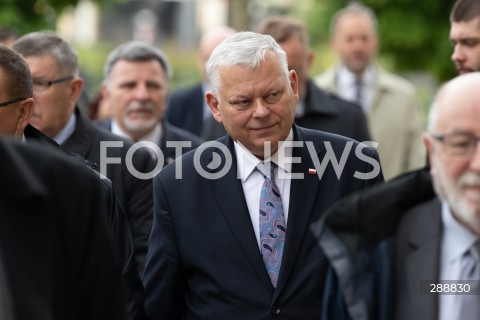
(230, 237)
(58, 258)
(417, 238)
(317, 109)
(56, 88)
(136, 87)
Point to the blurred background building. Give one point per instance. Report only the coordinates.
(414, 35)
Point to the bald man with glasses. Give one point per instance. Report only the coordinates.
(416, 238)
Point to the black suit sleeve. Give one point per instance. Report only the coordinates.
(164, 277)
(101, 291)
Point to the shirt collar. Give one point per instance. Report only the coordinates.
(67, 130)
(456, 237)
(346, 78)
(247, 162)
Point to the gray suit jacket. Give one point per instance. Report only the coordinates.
(417, 259)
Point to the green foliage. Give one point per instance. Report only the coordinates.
(33, 15)
(413, 34)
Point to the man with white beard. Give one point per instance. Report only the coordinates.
(135, 85)
(442, 236)
(411, 247)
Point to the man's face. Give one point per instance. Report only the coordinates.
(457, 177)
(137, 93)
(299, 59)
(355, 42)
(256, 105)
(55, 103)
(465, 37)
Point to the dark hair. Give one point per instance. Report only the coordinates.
(18, 79)
(135, 51)
(283, 28)
(465, 10)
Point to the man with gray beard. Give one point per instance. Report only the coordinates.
(412, 246)
(136, 86)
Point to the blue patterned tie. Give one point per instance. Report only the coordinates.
(272, 223)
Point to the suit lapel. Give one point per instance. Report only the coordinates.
(303, 195)
(235, 211)
(422, 263)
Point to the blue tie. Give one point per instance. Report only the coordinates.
(272, 223)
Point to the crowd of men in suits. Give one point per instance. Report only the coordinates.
(282, 233)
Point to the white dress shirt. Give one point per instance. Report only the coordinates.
(252, 180)
(154, 136)
(346, 83)
(456, 240)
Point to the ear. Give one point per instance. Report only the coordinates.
(105, 91)
(213, 104)
(428, 141)
(76, 88)
(25, 112)
(294, 83)
(310, 59)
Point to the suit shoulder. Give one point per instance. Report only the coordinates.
(344, 105)
(179, 134)
(318, 136)
(395, 82)
(419, 214)
(46, 163)
(326, 78)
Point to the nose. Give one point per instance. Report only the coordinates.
(475, 159)
(260, 109)
(141, 92)
(458, 55)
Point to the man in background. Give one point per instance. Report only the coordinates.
(136, 86)
(56, 88)
(410, 251)
(465, 35)
(392, 110)
(187, 107)
(316, 109)
(57, 256)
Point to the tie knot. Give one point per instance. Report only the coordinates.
(267, 169)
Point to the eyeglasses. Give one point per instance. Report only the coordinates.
(458, 144)
(41, 85)
(7, 103)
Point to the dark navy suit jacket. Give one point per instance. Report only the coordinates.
(59, 258)
(185, 109)
(204, 261)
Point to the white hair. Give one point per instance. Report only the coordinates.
(247, 49)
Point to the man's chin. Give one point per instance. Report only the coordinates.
(140, 126)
